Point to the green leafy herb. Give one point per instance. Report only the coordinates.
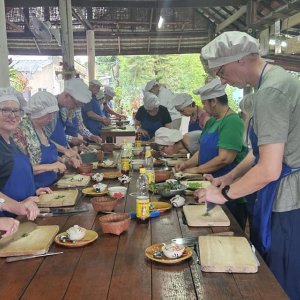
(25, 235)
(151, 206)
(207, 214)
(194, 185)
(59, 197)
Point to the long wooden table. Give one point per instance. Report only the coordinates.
(129, 131)
(115, 267)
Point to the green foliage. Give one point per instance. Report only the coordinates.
(15, 79)
(181, 73)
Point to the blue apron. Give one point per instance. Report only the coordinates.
(208, 151)
(194, 126)
(151, 127)
(93, 125)
(105, 113)
(72, 127)
(49, 156)
(20, 184)
(58, 135)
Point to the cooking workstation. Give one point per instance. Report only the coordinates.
(213, 258)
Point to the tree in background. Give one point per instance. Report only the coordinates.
(181, 73)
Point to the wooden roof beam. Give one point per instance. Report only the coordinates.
(13, 25)
(231, 19)
(83, 18)
(129, 3)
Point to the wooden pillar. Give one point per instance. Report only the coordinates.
(67, 46)
(90, 39)
(4, 78)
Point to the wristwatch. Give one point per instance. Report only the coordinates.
(1, 201)
(224, 192)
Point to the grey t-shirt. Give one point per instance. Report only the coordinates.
(193, 145)
(277, 120)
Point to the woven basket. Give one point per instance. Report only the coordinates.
(107, 147)
(104, 203)
(85, 168)
(115, 223)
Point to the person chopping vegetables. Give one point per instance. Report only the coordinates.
(274, 132)
(16, 175)
(221, 143)
(152, 116)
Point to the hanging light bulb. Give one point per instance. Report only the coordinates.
(160, 22)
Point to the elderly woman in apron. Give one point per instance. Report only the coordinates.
(221, 143)
(275, 137)
(152, 116)
(171, 141)
(16, 175)
(185, 104)
(31, 139)
(109, 94)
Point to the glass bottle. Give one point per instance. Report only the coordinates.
(138, 139)
(149, 165)
(142, 199)
(124, 159)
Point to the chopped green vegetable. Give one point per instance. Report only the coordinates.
(25, 234)
(73, 242)
(151, 206)
(207, 214)
(194, 185)
(59, 197)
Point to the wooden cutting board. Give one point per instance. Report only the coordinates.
(37, 242)
(194, 215)
(72, 180)
(59, 198)
(227, 254)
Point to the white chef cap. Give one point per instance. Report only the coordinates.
(182, 100)
(78, 90)
(211, 90)
(150, 101)
(229, 47)
(166, 136)
(41, 104)
(11, 94)
(150, 85)
(109, 91)
(95, 82)
(100, 95)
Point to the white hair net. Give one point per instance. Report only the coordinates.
(109, 91)
(95, 82)
(11, 94)
(229, 47)
(211, 90)
(78, 90)
(182, 100)
(150, 101)
(166, 136)
(41, 104)
(150, 85)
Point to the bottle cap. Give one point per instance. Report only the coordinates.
(142, 170)
(124, 141)
(137, 127)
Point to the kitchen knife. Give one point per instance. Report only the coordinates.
(24, 229)
(23, 257)
(46, 215)
(209, 206)
(63, 210)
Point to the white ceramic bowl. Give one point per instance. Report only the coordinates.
(99, 187)
(178, 175)
(76, 233)
(98, 177)
(117, 191)
(173, 250)
(108, 162)
(137, 163)
(124, 179)
(137, 151)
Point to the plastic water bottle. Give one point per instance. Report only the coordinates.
(142, 199)
(138, 141)
(149, 165)
(124, 159)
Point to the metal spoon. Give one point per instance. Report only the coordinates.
(157, 254)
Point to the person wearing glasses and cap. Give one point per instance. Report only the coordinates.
(30, 138)
(221, 143)
(165, 97)
(152, 116)
(16, 175)
(275, 138)
(171, 141)
(185, 105)
(109, 94)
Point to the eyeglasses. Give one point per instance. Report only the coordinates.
(6, 112)
(162, 148)
(220, 74)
